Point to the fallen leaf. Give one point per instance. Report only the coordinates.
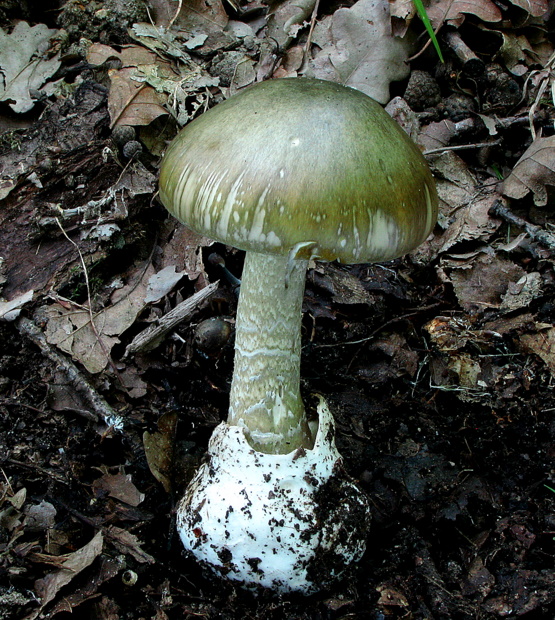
(201, 17)
(72, 332)
(161, 283)
(128, 543)
(359, 50)
(453, 11)
(135, 386)
(480, 280)
(48, 587)
(391, 597)
(533, 171)
(24, 64)
(536, 8)
(542, 343)
(119, 486)
(464, 206)
(521, 293)
(40, 516)
(286, 18)
(159, 449)
(131, 102)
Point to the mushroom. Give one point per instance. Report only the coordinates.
(289, 170)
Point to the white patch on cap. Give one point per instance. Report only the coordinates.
(273, 240)
(257, 228)
(429, 209)
(382, 233)
(227, 209)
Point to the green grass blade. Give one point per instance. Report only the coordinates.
(421, 10)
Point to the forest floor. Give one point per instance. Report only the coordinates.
(438, 367)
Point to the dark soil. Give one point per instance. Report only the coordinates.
(461, 480)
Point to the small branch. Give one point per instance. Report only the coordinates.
(91, 398)
(537, 233)
(462, 147)
(471, 64)
(153, 335)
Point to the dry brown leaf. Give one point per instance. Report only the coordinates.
(129, 55)
(533, 171)
(286, 18)
(48, 587)
(72, 332)
(464, 206)
(480, 280)
(391, 597)
(159, 449)
(201, 17)
(181, 246)
(453, 11)
(541, 343)
(131, 102)
(163, 11)
(520, 294)
(359, 50)
(119, 486)
(128, 543)
(536, 8)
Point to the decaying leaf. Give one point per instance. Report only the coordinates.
(536, 8)
(159, 449)
(72, 332)
(533, 172)
(359, 50)
(391, 596)
(48, 587)
(453, 11)
(521, 293)
(132, 102)
(464, 205)
(286, 18)
(480, 279)
(128, 543)
(120, 486)
(542, 343)
(24, 64)
(201, 17)
(147, 86)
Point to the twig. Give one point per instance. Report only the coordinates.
(37, 468)
(472, 65)
(462, 147)
(153, 335)
(310, 31)
(537, 233)
(172, 20)
(91, 398)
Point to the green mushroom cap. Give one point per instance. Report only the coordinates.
(302, 167)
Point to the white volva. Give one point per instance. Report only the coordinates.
(274, 520)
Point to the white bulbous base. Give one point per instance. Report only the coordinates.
(287, 522)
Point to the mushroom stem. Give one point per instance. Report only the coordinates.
(265, 392)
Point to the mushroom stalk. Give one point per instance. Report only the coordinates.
(265, 397)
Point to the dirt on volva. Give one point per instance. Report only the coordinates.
(438, 367)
